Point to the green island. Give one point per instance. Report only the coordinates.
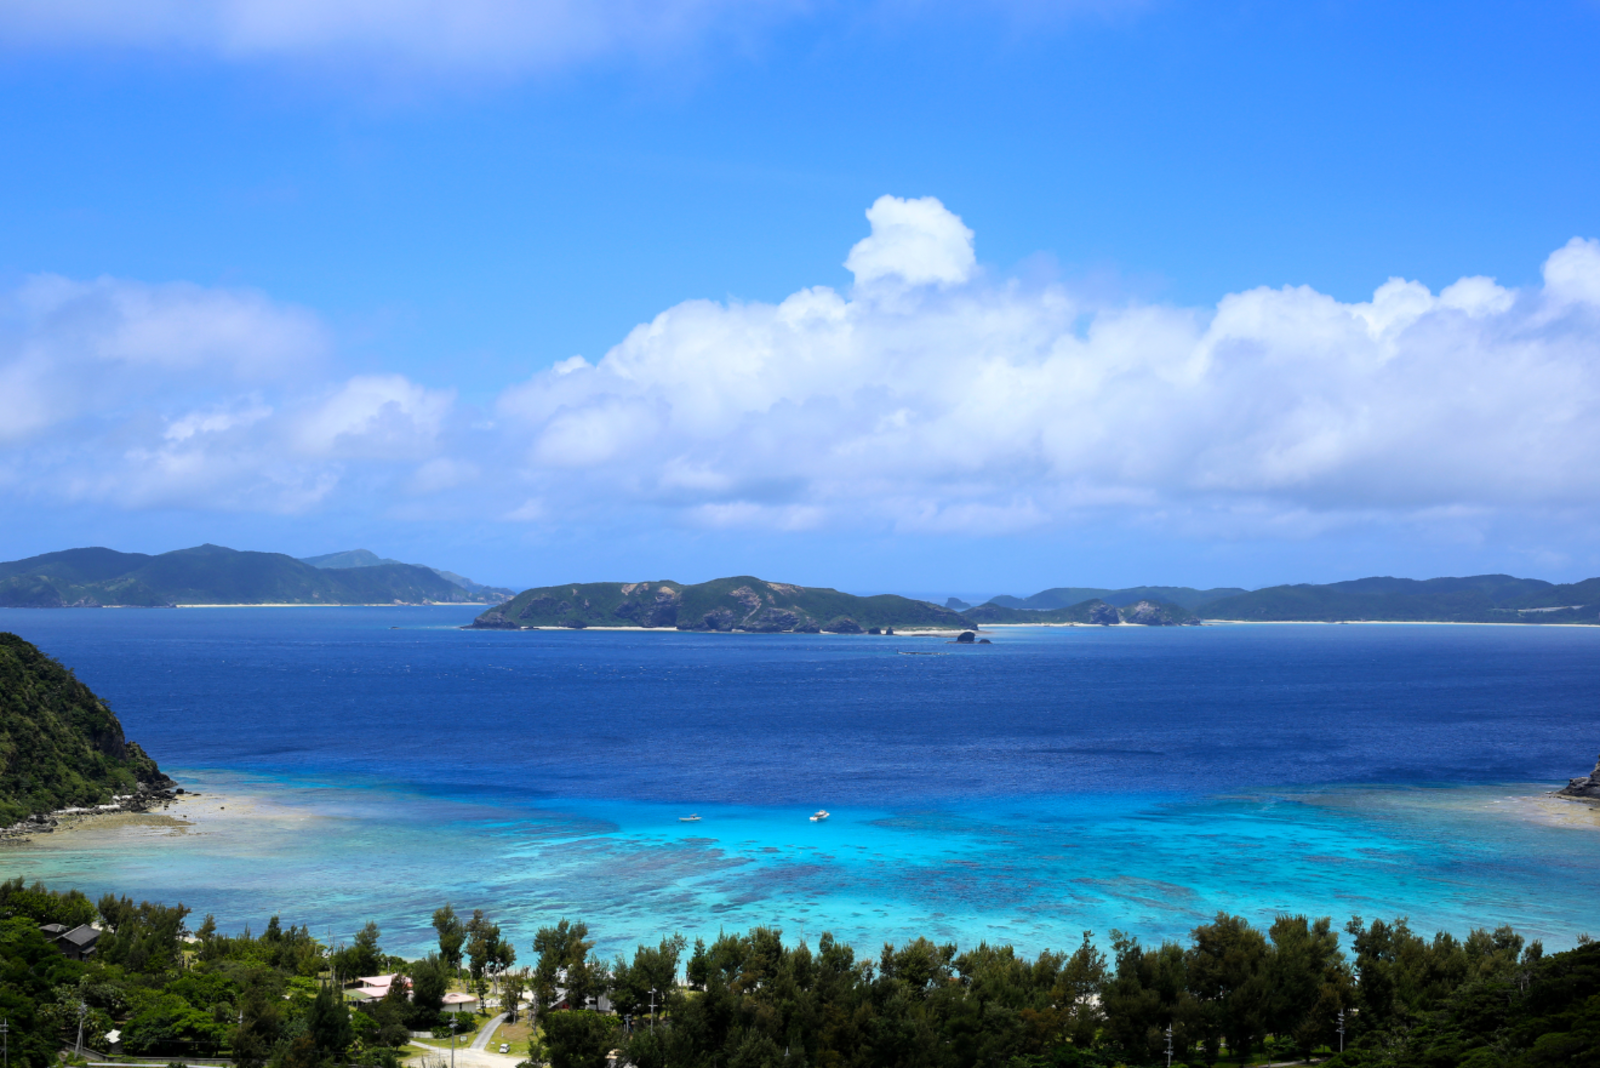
(212, 574)
(1185, 597)
(748, 604)
(1143, 612)
(742, 603)
(149, 989)
(755, 606)
(1477, 599)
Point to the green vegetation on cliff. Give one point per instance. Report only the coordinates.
(211, 574)
(60, 745)
(741, 603)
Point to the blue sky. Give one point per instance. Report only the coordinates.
(305, 277)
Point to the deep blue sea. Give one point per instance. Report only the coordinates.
(379, 761)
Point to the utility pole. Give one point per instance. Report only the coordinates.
(1341, 1030)
(82, 1011)
(1169, 1046)
(652, 1010)
(5, 1038)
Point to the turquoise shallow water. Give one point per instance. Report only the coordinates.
(377, 762)
(1030, 871)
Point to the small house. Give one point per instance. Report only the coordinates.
(76, 944)
(376, 987)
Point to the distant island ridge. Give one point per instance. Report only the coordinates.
(1067, 596)
(214, 575)
(755, 605)
(1476, 599)
(365, 558)
(742, 603)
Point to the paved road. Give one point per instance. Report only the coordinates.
(465, 1058)
(482, 1041)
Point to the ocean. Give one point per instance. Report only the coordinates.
(373, 763)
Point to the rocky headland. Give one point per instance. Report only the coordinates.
(62, 750)
(1584, 789)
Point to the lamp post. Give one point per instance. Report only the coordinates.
(1341, 1030)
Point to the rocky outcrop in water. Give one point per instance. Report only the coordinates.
(1584, 789)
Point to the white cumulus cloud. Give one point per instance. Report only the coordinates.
(70, 347)
(178, 395)
(375, 416)
(916, 242)
(933, 398)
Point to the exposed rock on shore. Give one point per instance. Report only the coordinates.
(147, 796)
(1584, 789)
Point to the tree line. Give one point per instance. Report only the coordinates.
(1386, 994)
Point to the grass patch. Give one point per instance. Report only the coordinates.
(517, 1034)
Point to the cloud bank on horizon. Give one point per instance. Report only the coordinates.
(932, 397)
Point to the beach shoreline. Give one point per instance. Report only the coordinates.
(67, 820)
(190, 815)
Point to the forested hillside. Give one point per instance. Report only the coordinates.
(1143, 612)
(742, 603)
(212, 574)
(1230, 993)
(1479, 599)
(350, 558)
(1067, 596)
(60, 745)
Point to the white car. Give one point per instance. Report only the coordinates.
(505, 1047)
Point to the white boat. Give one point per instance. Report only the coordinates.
(688, 819)
(820, 815)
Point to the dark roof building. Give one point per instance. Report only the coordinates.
(76, 944)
